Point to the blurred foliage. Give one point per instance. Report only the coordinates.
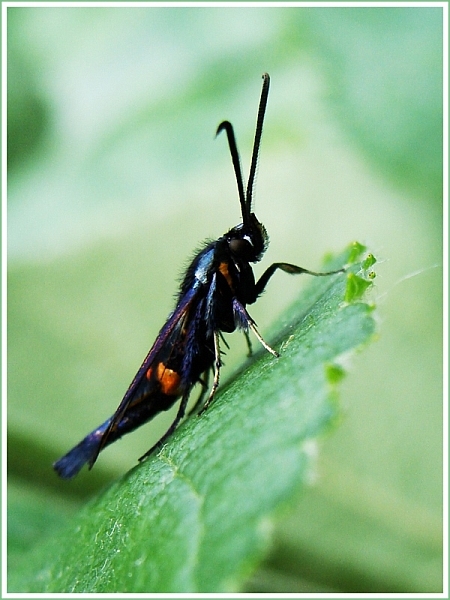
(114, 178)
(385, 72)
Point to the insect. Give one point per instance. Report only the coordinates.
(215, 291)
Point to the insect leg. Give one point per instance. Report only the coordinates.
(287, 268)
(249, 343)
(198, 403)
(217, 365)
(262, 340)
(244, 321)
(178, 418)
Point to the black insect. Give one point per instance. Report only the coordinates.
(217, 286)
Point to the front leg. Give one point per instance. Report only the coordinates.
(287, 268)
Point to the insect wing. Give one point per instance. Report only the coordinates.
(140, 402)
(138, 392)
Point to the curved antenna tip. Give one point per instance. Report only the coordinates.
(222, 126)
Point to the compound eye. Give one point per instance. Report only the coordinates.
(242, 248)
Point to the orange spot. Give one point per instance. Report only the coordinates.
(149, 373)
(223, 268)
(168, 379)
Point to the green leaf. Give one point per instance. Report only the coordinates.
(196, 516)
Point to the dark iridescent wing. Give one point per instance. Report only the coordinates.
(171, 327)
(136, 407)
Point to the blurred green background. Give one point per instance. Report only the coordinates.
(114, 178)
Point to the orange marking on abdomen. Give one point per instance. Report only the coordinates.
(169, 380)
(223, 268)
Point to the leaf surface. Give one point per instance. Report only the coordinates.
(196, 516)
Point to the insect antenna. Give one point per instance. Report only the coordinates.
(237, 166)
(246, 200)
(256, 144)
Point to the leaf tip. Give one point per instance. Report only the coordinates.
(334, 373)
